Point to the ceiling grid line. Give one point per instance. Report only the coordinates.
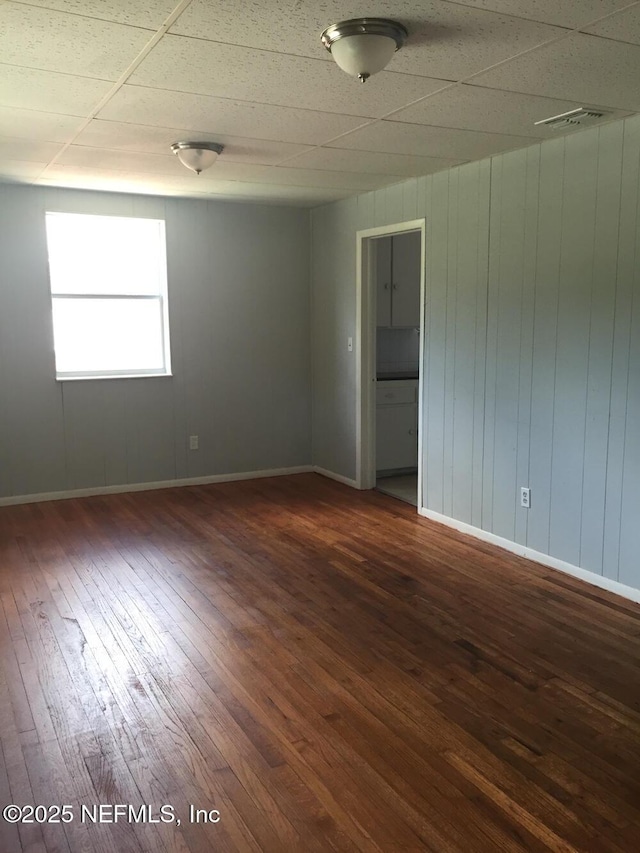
(173, 17)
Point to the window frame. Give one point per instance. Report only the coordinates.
(162, 297)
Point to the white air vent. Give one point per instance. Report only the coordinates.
(573, 118)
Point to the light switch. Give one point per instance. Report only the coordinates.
(349, 344)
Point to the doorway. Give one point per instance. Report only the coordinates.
(390, 324)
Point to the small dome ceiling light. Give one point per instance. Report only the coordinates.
(364, 46)
(197, 156)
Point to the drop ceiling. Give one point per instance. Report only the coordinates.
(93, 92)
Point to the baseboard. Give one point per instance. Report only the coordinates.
(537, 556)
(149, 487)
(332, 476)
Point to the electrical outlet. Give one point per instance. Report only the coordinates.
(193, 442)
(525, 497)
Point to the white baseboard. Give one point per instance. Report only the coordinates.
(149, 487)
(332, 476)
(537, 556)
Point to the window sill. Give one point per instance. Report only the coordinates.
(114, 376)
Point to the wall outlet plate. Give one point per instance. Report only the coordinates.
(193, 442)
(525, 497)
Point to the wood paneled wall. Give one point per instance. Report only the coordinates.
(532, 359)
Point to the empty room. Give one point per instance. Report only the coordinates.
(319, 426)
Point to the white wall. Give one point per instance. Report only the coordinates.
(532, 357)
(240, 326)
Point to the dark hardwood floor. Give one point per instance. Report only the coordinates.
(321, 666)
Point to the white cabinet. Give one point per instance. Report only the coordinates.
(383, 281)
(398, 280)
(396, 424)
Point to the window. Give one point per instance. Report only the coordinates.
(108, 279)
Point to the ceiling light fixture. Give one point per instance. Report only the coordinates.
(197, 156)
(364, 46)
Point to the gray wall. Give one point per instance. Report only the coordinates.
(240, 326)
(532, 362)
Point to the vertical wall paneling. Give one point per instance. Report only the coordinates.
(410, 200)
(450, 330)
(434, 370)
(547, 261)
(620, 376)
(464, 245)
(424, 210)
(629, 571)
(491, 352)
(33, 457)
(525, 377)
(179, 272)
(380, 207)
(365, 211)
(394, 206)
(334, 304)
(84, 433)
(481, 286)
(506, 276)
(114, 413)
(572, 353)
(532, 342)
(190, 307)
(629, 527)
(423, 189)
(601, 322)
(150, 430)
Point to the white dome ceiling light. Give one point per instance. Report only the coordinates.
(197, 156)
(364, 46)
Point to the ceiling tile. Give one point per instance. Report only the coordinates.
(115, 181)
(156, 140)
(20, 169)
(360, 181)
(302, 197)
(625, 26)
(278, 194)
(571, 14)
(150, 14)
(54, 41)
(490, 110)
(203, 67)
(157, 166)
(424, 141)
(223, 171)
(260, 82)
(217, 115)
(167, 164)
(336, 159)
(581, 67)
(123, 161)
(26, 150)
(29, 124)
(43, 90)
(459, 39)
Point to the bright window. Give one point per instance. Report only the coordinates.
(108, 279)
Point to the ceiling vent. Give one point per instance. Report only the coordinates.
(574, 118)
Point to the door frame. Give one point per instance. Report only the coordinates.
(366, 349)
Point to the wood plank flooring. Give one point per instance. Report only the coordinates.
(324, 668)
